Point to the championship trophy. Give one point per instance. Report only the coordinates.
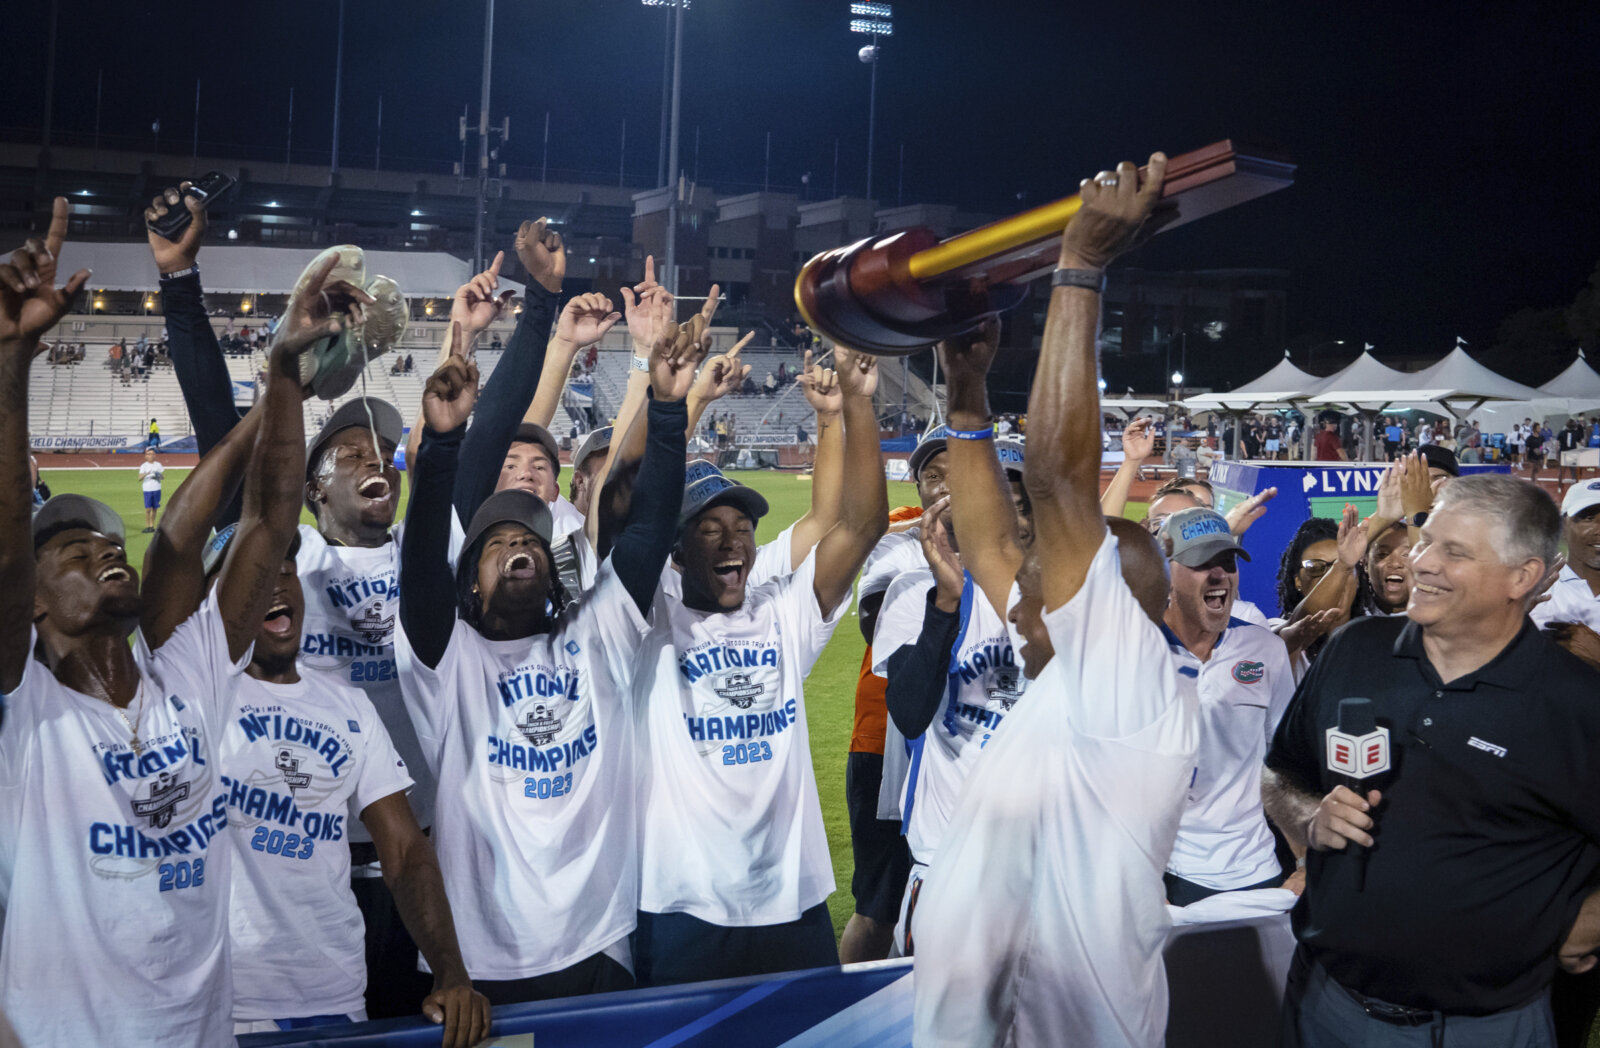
(900, 292)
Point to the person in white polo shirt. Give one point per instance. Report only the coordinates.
(735, 871)
(1041, 921)
(1241, 678)
(1575, 597)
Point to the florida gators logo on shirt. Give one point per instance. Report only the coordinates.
(1247, 672)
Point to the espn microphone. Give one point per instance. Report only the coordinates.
(1358, 751)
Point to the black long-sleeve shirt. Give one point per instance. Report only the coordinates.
(427, 587)
(503, 403)
(919, 672)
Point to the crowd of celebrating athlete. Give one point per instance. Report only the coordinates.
(526, 744)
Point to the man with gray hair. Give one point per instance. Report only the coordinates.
(1455, 836)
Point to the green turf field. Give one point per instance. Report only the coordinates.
(830, 691)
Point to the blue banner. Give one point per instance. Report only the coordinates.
(856, 1007)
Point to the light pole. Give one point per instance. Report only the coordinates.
(483, 134)
(875, 20)
(670, 280)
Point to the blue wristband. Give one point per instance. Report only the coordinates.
(970, 434)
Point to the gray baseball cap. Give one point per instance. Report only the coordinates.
(597, 440)
(699, 470)
(533, 433)
(1197, 534)
(932, 442)
(80, 510)
(718, 490)
(511, 506)
(385, 419)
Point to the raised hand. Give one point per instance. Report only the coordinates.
(713, 300)
(173, 256)
(1116, 208)
(678, 350)
(475, 306)
(542, 254)
(1302, 632)
(1249, 511)
(857, 372)
(586, 319)
(30, 302)
(639, 310)
(1390, 506)
(821, 388)
(1352, 537)
(452, 390)
(969, 356)
(722, 374)
(1139, 439)
(948, 575)
(321, 312)
(1416, 487)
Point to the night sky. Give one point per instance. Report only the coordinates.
(1448, 157)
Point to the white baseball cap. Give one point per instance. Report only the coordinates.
(1580, 497)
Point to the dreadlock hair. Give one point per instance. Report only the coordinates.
(469, 605)
(1311, 531)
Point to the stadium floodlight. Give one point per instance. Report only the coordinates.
(873, 19)
(884, 11)
(875, 28)
(666, 3)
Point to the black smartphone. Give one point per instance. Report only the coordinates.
(210, 186)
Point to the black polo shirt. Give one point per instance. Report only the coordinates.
(1487, 834)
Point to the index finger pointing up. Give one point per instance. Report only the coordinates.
(57, 235)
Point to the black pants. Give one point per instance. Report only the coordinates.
(1574, 1001)
(394, 986)
(673, 948)
(882, 859)
(597, 974)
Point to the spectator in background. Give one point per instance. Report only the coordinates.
(1328, 447)
(770, 385)
(1570, 439)
(150, 473)
(153, 442)
(1538, 434)
(41, 490)
(1425, 433)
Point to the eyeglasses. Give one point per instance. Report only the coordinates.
(1316, 568)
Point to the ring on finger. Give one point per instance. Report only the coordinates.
(1109, 183)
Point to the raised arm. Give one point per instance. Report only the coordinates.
(427, 589)
(584, 321)
(505, 396)
(642, 549)
(981, 509)
(30, 305)
(1138, 442)
(274, 482)
(1062, 472)
(722, 374)
(864, 509)
(919, 672)
(174, 576)
(821, 388)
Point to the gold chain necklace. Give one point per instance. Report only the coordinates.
(133, 725)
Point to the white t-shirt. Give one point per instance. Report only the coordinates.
(985, 682)
(114, 867)
(1043, 919)
(150, 476)
(1248, 611)
(537, 834)
(1242, 690)
(300, 763)
(1571, 600)
(732, 828)
(893, 556)
(352, 608)
(564, 516)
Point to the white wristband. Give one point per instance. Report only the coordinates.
(641, 363)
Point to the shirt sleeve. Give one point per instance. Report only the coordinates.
(194, 662)
(802, 616)
(900, 618)
(1294, 751)
(1119, 668)
(773, 558)
(609, 617)
(19, 714)
(422, 688)
(383, 772)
